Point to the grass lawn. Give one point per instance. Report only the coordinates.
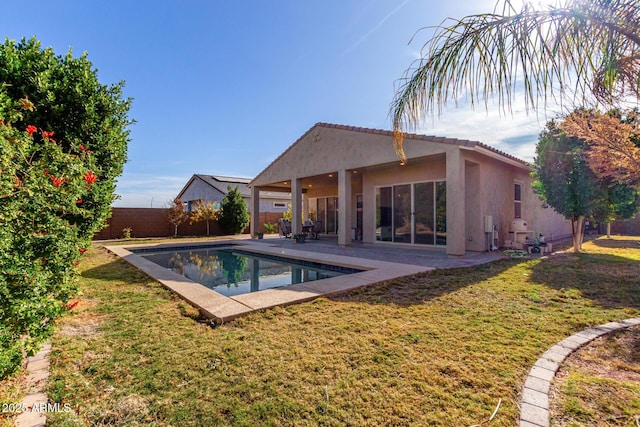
(440, 348)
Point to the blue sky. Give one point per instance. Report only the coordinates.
(223, 87)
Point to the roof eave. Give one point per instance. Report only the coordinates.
(504, 159)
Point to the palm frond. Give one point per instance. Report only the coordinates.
(590, 48)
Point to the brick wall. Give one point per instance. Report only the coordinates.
(153, 222)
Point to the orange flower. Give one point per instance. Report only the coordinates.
(31, 129)
(47, 136)
(90, 177)
(57, 181)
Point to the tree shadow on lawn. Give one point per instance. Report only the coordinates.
(117, 269)
(611, 281)
(416, 289)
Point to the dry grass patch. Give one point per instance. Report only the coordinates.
(600, 383)
(12, 390)
(83, 321)
(434, 349)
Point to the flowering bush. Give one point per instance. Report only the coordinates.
(63, 143)
(74, 112)
(41, 192)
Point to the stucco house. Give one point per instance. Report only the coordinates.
(449, 195)
(213, 188)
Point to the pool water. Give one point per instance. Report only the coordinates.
(230, 271)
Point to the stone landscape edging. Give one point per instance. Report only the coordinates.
(534, 409)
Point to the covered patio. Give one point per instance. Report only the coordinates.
(447, 197)
(334, 174)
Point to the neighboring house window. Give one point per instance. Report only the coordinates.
(517, 201)
(189, 207)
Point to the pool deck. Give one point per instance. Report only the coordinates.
(378, 262)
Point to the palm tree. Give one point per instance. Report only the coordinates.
(587, 51)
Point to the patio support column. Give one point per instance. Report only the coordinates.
(456, 242)
(255, 210)
(344, 208)
(296, 206)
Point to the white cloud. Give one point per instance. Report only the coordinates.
(516, 135)
(146, 191)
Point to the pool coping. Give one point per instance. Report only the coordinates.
(220, 308)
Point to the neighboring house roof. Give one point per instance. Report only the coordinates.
(221, 183)
(468, 144)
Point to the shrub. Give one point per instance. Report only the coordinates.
(234, 215)
(270, 228)
(59, 160)
(86, 116)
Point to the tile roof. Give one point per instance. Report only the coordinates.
(430, 138)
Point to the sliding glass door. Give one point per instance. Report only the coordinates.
(425, 213)
(402, 214)
(327, 212)
(412, 213)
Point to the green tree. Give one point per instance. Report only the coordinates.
(564, 181)
(584, 50)
(205, 212)
(86, 116)
(234, 215)
(176, 214)
(619, 201)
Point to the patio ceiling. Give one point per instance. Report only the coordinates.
(310, 183)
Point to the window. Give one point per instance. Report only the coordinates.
(517, 201)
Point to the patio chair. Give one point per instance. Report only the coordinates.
(284, 227)
(315, 231)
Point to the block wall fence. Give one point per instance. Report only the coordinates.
(625, 227)
(153, 222)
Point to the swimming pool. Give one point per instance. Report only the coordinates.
(231, 271)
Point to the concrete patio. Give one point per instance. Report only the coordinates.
(421, 256)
